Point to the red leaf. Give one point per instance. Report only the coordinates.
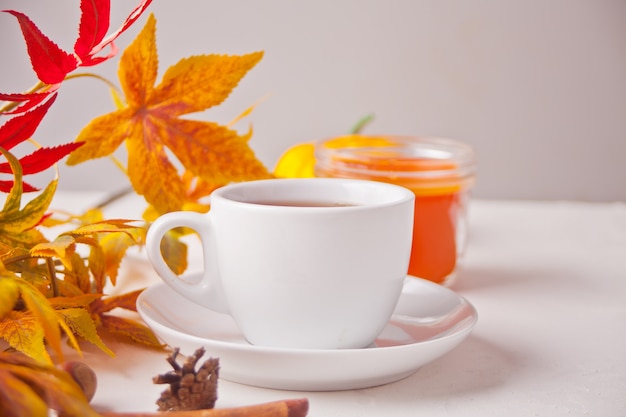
(6, 186)
(91, 59)
(50, 63)
(30, 100)
(94, 24)
(42, 158)
(94, 60)
(28, 96)
(20, 128)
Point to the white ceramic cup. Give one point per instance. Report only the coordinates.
(314, 263)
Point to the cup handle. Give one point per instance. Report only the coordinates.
(205, 291)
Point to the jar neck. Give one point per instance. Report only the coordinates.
(426, 165)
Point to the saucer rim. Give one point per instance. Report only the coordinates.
(466, 327)
(415, 354)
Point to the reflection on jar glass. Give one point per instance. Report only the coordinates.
(441, 173)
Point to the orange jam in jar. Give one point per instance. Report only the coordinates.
(440, 172)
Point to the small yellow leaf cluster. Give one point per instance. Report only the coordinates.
(47, 289)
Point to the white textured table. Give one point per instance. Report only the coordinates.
(549, 282)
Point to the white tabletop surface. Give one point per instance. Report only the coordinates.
(549, 282)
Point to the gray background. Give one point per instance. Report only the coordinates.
(537, 87)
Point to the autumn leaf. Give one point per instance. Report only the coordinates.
(126, 301)
(130, 328)
(40, 318)
(51, 63)
(105, 226)
(17, 223)
(9, 292)
(30, 388)
(39, 306)
(21, 127)
(18, 398)
(23, 332)
(81, 323)
(150, 123)
(121, 326)
(63, 247)
(19, 103)
(114, 247)
(43, 158)
(174, 252)
(25, 328)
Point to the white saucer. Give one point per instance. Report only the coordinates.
(428, 322)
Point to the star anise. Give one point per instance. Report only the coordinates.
(189, 389)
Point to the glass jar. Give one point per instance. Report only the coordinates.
(441, 173)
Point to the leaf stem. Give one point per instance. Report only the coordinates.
(96, 76)
(17, 258)
(114, 197)
(364, 121)
(53, 277)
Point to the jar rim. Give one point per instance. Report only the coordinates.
(397, 156)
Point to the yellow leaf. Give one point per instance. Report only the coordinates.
(12, 217)
(71, 339)
(63, 247)
(47, 317)
(126, 301)
(153, 175)
(90, 216)
(9, 294)
(96, 267)
(82, 300)
(103, 135)
(150, 126)
(174, 252)
(114, 247)
(185, 89)
(150, 214)
(80, 322)
(129, 328)
(14, 198)
(11, 241)
(23, 332)
(211, 151)
(16, 223)
(139, 65)
(104, 226)
(297, 162)
(77, 277)
(33, 211)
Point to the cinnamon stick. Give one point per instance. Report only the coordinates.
(285, 408)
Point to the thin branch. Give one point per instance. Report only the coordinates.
(96, 76)
(53, 277)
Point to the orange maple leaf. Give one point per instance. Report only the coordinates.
(149, 123)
